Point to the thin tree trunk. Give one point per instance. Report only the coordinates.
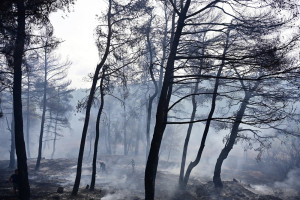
(89, 104)
(164, 46)
(125, 129)
(38, 162)
(188, 134)
(162, 110)
(24, 190)
(97, 132)
(189, 131)
(12, 159)
(28, 116)
(55, 128)
(48, 131)
(105, 135)
(55, 136)
(108, 134)
(170, 150)
(209, 118)
(90, 149)
(137, 141)
(173, 26)
(152, 97)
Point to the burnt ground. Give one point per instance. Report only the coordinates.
(119, 182)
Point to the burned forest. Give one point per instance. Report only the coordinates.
(150, 100)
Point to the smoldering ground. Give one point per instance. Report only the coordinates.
(119, 182)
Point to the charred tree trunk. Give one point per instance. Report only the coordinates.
(233, 135)
(149, 109)
(55, 136)
(190, 127)
(38, 162)
(97, 132)
(125, 129)
(12, 159)
(55, 128)
(48, 131)
(28, 115)
(89, 104)
(24, 189)
(164, 46)
(105, 140)
(114, 150)
(229, 144)
(173, 26)
(152, 97)
(162, 110)
(108, 135)
(137, 141)
(210, 115)
(188, 134)
(207, 126)
(90, 149)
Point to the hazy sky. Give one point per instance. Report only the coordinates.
(77, 30)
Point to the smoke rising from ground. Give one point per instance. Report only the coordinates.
(240, 165)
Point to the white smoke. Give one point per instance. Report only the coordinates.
(291, 185)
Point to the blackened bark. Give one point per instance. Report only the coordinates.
(164, 46)
(90, 149)
(152, 97)
(48, 130)
(38, 161)
(173, 26)
(229, 144)
(55, 128)
(233, 135)
(89, 104)
(137, 140)
(97, 132)
(125, 128)
(55, 136)
(108, 134)
(210, 115)
(24, 189)
(188, 134)
(162, 110)
(207, 126)
(28, 115)
(12, 159)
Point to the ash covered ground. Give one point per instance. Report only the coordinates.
(120, 182)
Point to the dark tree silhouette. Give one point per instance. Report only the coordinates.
(60, 106)
(233, 135)
(93, 180)
(17, 103)
(210, 115)
(162, 108)
(45, 86)
(273, 59)
(90, 101)
(12, 152)
(17, 13)
(153, 96)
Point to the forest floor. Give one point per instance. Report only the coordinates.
(120, 182)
